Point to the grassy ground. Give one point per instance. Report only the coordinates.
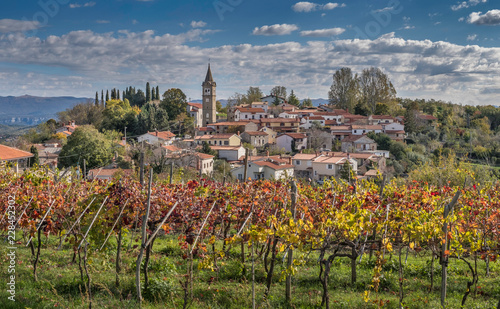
(59, 283)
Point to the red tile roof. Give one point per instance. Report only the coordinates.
(252, 110)
(197, 105)
(172, 148)
(203, 156)
(230, 123)
(8, 153)
(272, 165)
(165, 135)
(279, 120)
(296, 135)
(256, 133)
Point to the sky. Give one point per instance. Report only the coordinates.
(447, 50)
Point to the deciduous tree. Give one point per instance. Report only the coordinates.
(344, 91)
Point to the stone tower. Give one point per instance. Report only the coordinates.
(209, 106)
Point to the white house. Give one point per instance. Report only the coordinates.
(308, 121)
(230, 153)
(355, 143)
(287, 139)
(364, 129)
(325, 166)
(264, 169)
(195, 110)
(249, 113)
(164, 137)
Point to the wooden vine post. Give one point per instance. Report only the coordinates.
(444, 257)
(288, 291)
(143, 242)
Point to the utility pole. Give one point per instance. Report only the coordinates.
(141, 172)
(84, 169)
(125, 141)
(246, 165)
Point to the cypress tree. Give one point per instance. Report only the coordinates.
(153, 94)
(157, 93)
(118, 94)
(148, 93)
(102, 97)
(96, 98)
(107, 95)
(35, 159)
(123, 95)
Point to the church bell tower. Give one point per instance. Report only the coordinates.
(209, 107)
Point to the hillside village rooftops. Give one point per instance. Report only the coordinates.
(230, 123)
(8, 153)
(206, 129)
(203, 156)
(327, 159)
(354, 138)
(341, 128)
(272, 165)
(216, 136)
(172, 148)
(315, 118)
(382, 117)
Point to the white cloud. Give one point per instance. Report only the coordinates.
(418, 68)
(198, 24)
(277, 29)
(471, 37)
(311, 6)
(85, 5)
(467, 4)
(490, 18)
(323, 32)
(14, 25)
(134, 22)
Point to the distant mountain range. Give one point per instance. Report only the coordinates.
(30, 110)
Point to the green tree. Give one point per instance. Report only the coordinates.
(344, 92)
(383, 140)
(397, 149)
(253, 95)
(96, 102)
(138, 98)
(346, 171)
(102, 98)
(151, 118)
(107, 96)
(293, 100)
(118, 94)
(148, 92)
(157, 93)
(279, 91)
(89, 144)
(35, 160)
(381, 109)
(153, 94)
(306, 103)
(411, 125)
(83, 113)
(119, 114)
(174, 102)
(207, 150)
(375, 88)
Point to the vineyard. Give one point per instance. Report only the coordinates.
(257, 244)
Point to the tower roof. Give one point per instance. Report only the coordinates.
(209, 78)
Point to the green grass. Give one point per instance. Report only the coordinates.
(60, 285)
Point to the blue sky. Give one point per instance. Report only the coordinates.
(447, 50)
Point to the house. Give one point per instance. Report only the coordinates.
(291, 141)
(202, 162)
(255, 138)
(67, 129)
(204, 131)
(325, 166)
(303, 164)
(428, 120)
(246, 113)
(340, 132)
(339, 118)
(157, 137)
(355, 119)
(223, 139)
(195, 110)
(48, 153)
(356, 143)
(281, 125)
(171, 149)
(18, 158)
(229, 153)
(308, 121)
(380, 119)
(263, 105)
(364, 129)
(264, 168)
(270, 99)
(107, 173)
(233, 126)
(271, 134)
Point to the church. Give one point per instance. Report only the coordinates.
(209, 108)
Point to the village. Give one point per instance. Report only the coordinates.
(269, 139)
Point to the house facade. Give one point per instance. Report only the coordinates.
(291, 141)
(357, 143)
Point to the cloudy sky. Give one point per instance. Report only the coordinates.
(447, 50)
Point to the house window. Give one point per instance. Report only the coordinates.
(297, 162)
(226, 143)
(246, 116)
(240, 176)
(330, 166)
(208, 116)
(315, 173)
